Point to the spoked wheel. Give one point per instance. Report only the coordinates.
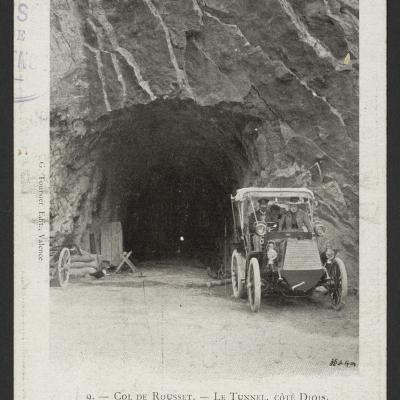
(338, 290)
(238, 265)
(62, 272)
(254, 285)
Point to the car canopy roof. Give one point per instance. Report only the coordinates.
(260, 192)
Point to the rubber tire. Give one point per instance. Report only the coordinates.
(64, 259)
(343, 274)
(238, 266)
(254, 285)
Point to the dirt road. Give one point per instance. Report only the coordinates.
(166, 323)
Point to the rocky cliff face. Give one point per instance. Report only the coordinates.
(258, 91)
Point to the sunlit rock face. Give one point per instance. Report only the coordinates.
(273, 83)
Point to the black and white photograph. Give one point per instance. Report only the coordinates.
(204, 199)
(204, 167)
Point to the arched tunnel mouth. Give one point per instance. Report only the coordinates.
(168, 169)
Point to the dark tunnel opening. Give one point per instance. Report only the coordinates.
(178, 211)
(169, 169)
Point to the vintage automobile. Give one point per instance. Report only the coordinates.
(266, 260)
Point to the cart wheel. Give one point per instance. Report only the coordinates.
(62, 269)
(338, 291)
(238, 265)
(254, 285)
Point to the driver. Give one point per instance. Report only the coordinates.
(261, 215)
(295, 218)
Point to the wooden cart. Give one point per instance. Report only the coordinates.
(59, 269)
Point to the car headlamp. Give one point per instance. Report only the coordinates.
(330, 254)
(319, 229)
(272, 255)
(261, 229)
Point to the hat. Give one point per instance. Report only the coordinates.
(294, 200)
(261, 201)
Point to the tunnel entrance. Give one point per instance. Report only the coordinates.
(169, 168)
(178, 211)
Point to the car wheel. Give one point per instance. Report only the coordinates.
(238, 265)
(254, 285)
(338, 290)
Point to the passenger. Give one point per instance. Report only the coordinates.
(295, 218)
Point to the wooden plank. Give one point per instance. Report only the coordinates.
(117, 245)
(112, 242)
(93, 247)
(98, 241)
(106, 242)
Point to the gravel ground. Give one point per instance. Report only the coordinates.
(165, 323)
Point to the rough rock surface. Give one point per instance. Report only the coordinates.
(285, 70)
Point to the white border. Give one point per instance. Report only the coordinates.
(31, 147)
(31, 163)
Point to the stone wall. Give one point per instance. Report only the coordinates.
(285, 70)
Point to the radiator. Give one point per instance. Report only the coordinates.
(301, 255)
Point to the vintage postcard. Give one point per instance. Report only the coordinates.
(200, 199)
